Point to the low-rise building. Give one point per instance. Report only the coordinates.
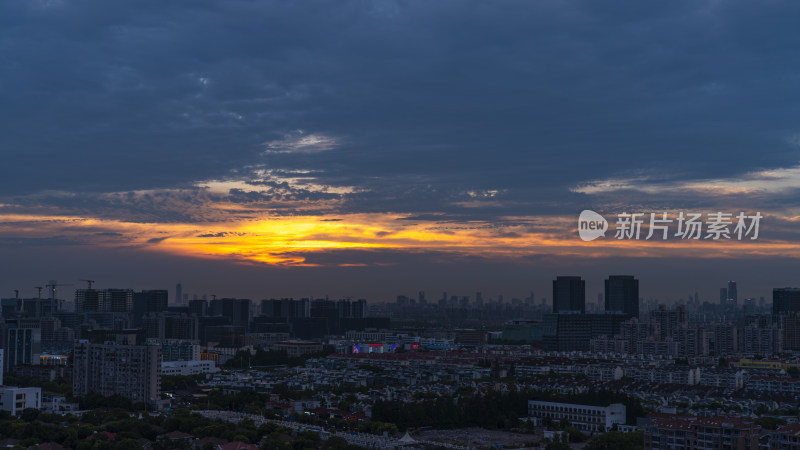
(58, 404)
(188, 367)
(584, 417)
(16, 399)
(667, 432)
(773, 384)
(295, 348)
(786, 438)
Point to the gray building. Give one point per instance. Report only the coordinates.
(622, 294)
(569, 294)
(117, 363)
(785, 300)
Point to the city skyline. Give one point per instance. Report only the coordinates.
(598, 298)
(365, 150)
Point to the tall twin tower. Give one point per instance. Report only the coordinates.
(622, 295)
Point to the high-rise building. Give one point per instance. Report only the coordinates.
(569, 294)
(326, 308)
(49, 325)
(733, 293)
(149, 301)
(117, 363)
(666, 322)
(39, 307)
(87, 300)
(725, 339)
(573, 331)
(622, 294)
(358, 308)
(790, 330)
(178, 294)
(237, 309)
(23, 346)
(198, 307)
(182, 326)
(344, 308)
(154, 326)
(118, 300)
(286, 307)
(723, 296)
(785, 300)
(105, 300)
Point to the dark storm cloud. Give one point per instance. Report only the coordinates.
(455, 113)
(416, 103)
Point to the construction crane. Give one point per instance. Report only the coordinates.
(39, 288)
(89, 282)
(53, 284)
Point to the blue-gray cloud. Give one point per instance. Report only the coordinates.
(429, 99)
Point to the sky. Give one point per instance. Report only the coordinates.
(369, 149)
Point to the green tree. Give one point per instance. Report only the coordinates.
(770, 423)
(29, 414)
(335, 442)
(573, 434)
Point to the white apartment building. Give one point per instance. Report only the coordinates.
(584, 417)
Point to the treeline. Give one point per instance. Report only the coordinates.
(88, 432)
(492, 410)
(60, 386)
(34, 428)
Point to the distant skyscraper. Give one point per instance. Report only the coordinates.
(178, 294)
(723, 296)
(569, 294)
(733, 295)
(785, 300)
(622, 294)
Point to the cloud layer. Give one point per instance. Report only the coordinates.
(182, 127)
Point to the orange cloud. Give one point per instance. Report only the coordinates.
(286, 240)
